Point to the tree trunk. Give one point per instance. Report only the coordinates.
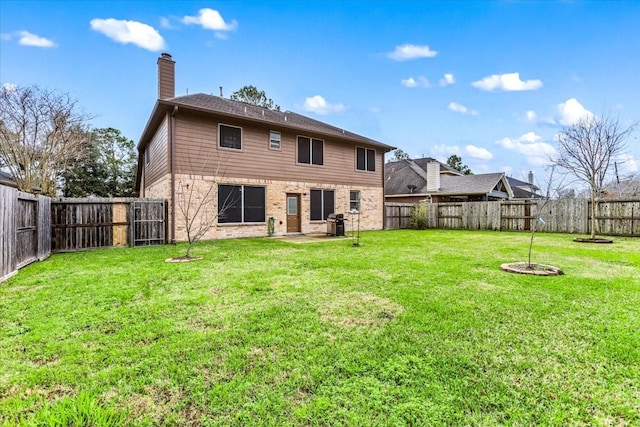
(593, 214)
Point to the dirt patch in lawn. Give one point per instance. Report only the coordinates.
(594, 240)
(358, 309)
(534, 269)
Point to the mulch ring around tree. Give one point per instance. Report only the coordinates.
(594, 240)
(183, 259)
(535, 269)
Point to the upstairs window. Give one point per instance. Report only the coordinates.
(241, 204)
(274, 140)
(365, 159)
(322, 204)
(310, 151)
(230, 137)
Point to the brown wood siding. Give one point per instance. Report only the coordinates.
(159, 162)
(197, 152)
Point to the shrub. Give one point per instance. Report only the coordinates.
(420, 216)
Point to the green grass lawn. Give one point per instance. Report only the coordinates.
(411, 328)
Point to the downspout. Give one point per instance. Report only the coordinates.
(384, 193)
(172, 130)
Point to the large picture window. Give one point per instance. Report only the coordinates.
(230, 137)
(365, 159)
(241, 204)
(310, 151)
(322, 204)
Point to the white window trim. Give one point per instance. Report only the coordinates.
(271, 147)
(241, 137)
(358, 200)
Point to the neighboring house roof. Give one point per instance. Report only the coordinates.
(401, 175)
(444, 168)
(7, 179)
(235, 109)
(470, 184)
(625, 188)
(523, 189)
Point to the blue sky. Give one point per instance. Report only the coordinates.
(490, 81)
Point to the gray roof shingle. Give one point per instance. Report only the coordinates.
(287, 119)
(399, 175)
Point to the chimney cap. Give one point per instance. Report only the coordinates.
(165, 55)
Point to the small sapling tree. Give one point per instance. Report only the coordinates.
(198, 205)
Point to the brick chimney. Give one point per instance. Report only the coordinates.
(166, 77)
(433, 176)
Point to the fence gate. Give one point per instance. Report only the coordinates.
(26, 230)
(148, 222)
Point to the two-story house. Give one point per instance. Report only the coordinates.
(264, 166)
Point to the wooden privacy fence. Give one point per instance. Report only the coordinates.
(31, 227)
(78, 224)
(397, 215)
(614, 217)
(25, 229)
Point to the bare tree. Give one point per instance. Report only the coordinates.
(40, 132)
(198, 204)
(587, 150)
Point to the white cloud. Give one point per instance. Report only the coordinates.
(317, 104)
(406, 52)
(210, 19)
(508, 170)
(166, 23)
(459, 108)
(478, 152)
(537, 151)
(533, 117)
(25, 38)
(627, 164)
(506, 82)
(137, 33)
(444, 151)
(447, 80)
(571, 111)
(9, 87)
(420, 82)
